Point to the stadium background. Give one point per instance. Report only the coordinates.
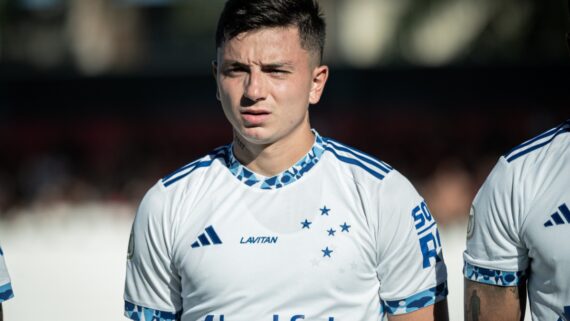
(100, 98)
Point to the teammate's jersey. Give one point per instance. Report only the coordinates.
(5, 285)
(338, 236)
(520, 224)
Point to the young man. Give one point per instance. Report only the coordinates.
(5, 285)
(283, 224)
(519, 231)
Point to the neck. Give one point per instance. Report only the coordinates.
(272, 159)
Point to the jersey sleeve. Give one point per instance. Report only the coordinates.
(411, 269)
(6, 292)
(495, 253)
(152, 284)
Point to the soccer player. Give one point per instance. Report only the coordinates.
(519, 234)
(5, 285)
(283, 224)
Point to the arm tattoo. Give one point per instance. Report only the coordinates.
(475, 303)
(515, 291)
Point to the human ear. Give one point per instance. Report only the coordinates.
(320, 76)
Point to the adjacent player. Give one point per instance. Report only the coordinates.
(519, 234)
(282, 224)
(6, 292)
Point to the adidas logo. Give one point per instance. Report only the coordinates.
(208, 238)
(556, 219)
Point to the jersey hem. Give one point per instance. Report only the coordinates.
(139, 313)
(491, 276)
(6, 292)
(417, 301)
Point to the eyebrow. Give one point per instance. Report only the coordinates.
(273, 65)
(278, 65)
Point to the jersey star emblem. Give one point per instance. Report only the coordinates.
(345, 227)
(331, 232)
(325, 210)
(327, 252)
(306, 224)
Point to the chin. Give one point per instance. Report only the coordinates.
(256, 135)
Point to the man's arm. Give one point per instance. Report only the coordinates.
(434, 312)
(494, 303)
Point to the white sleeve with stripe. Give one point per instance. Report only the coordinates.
(411, 268)
(495, 253)
(152, 286)
(5, 285)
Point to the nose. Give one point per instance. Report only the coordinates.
(254, 90)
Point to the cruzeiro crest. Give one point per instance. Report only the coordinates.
(327, 251)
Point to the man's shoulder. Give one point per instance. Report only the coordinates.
(361, 165)
(218, 155)
(534, 159)
(550, 144)
(181, 183)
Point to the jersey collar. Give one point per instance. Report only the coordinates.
(286, 177)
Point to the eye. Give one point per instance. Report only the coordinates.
(234, 71)
(277, 71)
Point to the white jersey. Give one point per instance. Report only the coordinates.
(520, 224)
(5, 285)
(338, 236)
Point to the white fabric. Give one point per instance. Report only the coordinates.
(5, 285)
(277, 259)
(510, 225)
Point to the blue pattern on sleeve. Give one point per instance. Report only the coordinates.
(6, 292)
(139, 313)
(416, 301)
(492, 277)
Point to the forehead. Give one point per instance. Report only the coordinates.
(264, 45)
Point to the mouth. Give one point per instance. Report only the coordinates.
(254, 116)
(250, 111)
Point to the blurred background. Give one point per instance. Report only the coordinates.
(100, 98)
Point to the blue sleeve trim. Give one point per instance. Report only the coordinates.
(6, 292)
(139, 313)
(416, 301)
(492, 277)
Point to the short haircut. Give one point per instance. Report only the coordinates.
(241, 16)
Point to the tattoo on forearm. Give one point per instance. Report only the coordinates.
(514, 290)
(475, 303)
